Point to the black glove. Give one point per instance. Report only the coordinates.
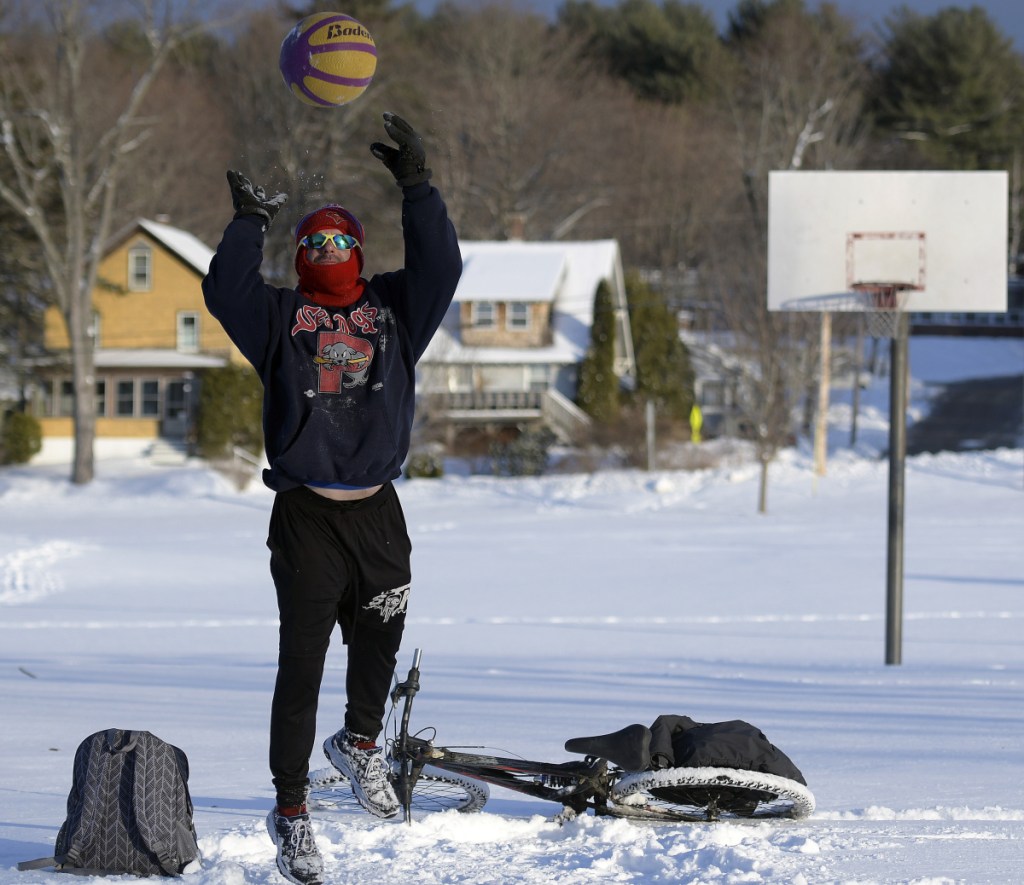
(408, 162)
(249, 200)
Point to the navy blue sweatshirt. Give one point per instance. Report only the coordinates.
(339, 383)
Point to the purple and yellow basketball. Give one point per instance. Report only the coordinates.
(328, 59)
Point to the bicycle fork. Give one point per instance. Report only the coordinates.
(408, 770)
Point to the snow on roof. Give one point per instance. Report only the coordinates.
(190, 249)
(509, 274)
(155, 358)
(567, 273)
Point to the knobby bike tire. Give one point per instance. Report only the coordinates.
(435, 790)
(702, 794)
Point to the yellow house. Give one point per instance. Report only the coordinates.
(153, 335)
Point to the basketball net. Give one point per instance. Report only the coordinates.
(883, 305)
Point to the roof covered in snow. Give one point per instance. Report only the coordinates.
(510, 274)
(565, 274)
(186, 246)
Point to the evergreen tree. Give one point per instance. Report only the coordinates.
(598, 392)
(663, 51)
(22, 293)
(951, 86)
(663, 371)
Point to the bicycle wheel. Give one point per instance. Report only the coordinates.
(436, 790)
(703, 794)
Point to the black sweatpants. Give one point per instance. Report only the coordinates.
(334, 563)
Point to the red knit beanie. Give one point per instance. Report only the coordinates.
(327, 217)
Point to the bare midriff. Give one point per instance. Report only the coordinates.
(346, 494)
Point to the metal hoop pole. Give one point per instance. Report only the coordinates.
(898, 365)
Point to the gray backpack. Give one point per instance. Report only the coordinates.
(129, 809)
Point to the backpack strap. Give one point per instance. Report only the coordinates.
(96, 762)
(44, 862)
(40, 863)
(148, 788)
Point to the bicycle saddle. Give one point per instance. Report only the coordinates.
(629, 747)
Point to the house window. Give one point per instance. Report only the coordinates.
(150, 399)
(483, 314)
(65, 399)
(460, 378)
(140, 269)
(188, 331)
(537, 377)
(125, 399)
(518, 317)
(101, 398)
(712, 393)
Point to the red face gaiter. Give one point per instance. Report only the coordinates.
(332, 285)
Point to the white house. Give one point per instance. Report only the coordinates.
(510, 346)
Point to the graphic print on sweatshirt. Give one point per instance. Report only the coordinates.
(342, 357)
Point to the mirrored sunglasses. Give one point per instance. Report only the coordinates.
(318, 241)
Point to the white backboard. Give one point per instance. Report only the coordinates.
(941, 236)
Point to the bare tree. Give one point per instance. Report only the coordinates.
(792, 100)
(186, 154)
(67, 133)
(532, 129)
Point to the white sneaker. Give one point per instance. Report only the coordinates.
(366, 770)
(298, 858)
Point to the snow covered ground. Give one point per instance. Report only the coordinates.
(552, 607)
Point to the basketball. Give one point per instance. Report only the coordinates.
(328, 59)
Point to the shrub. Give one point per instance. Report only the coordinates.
(526, 455)
(22, 438)
(230, 411)
(424, 465)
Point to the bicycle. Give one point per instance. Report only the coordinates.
(607, 781)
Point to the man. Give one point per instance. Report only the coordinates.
(336, 357)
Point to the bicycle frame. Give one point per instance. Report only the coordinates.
(574, 784)
(577, 785)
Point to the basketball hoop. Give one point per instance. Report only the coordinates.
(883, 305)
